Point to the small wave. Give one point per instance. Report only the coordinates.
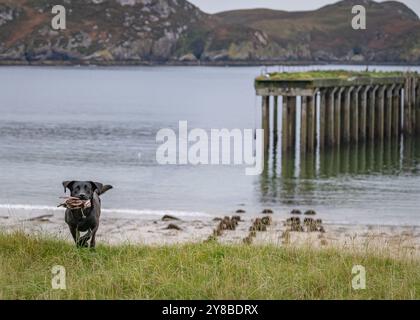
(27, 207)
(142, 212)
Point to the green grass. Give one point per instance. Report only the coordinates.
(197, 271)
(329, 74)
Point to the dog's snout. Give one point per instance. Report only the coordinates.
(83, 197)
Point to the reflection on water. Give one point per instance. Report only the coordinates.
(294, 179)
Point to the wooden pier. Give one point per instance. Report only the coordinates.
(338, 108)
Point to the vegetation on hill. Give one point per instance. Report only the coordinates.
(329, 74)
(165, 31)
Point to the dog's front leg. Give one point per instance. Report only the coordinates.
(84, 239)
(80, 241)
(74, 233)
(93, 239)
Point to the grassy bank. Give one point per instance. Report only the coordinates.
(207, 271)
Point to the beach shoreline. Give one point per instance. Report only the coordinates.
(164, 229)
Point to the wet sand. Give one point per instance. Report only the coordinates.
(153, 230)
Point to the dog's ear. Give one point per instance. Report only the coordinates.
(97, 186)
(105, 188)
(67, 185)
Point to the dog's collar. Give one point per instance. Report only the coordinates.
(83, 213)
(88, 207)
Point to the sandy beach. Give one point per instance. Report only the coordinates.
(167, 230)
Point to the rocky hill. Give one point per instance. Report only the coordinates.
(175, 31)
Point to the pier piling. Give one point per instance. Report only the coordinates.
(396, 111)
(275, 120)
(371, 113)
(363, 113)
(407, 107)
(303, 124)
(330, 118)
(285, 125)
(413, 86)
(388, 110)
(322, 119)
(337, 116)
(346, 114)
(311, 126)
(354, 125)
(266, 122)
(418, 108)
(379, 111)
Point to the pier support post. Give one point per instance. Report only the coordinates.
(322, 114)
(380, 108)
(329, 122)
(289, 123)
(354, 125)
(401, 110)
(346, 115)
(413, 103)
(396, 111)
(311, 126)
(407, 106)
(371, 113)
(303, 125)
(337, 116)
(291, 102)
(363, 113)
(266, 122)
(285, 142)
(418, 106)
(388, 111)
(275, 120)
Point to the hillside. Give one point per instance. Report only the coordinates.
(175, 31)
(392, 34)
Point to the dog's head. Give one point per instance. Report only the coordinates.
(84, 190)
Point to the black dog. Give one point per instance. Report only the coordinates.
(86, 220)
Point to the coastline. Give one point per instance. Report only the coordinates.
(176, 63)
(155, 231)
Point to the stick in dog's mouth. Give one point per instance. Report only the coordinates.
(74, 203)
